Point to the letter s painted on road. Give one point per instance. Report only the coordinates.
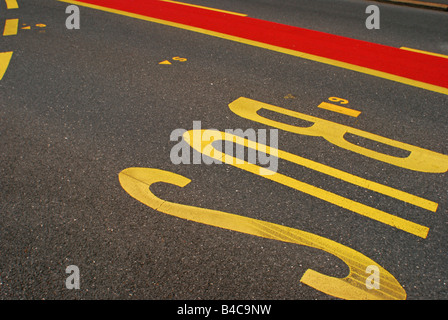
(137, 182)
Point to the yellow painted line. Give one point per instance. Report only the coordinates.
(11, 26)
(137, 182)
(5, 57)
(299, 54)
(207, 8)
(12, 4)
(426, 52)
(423, 4)
(339, 109)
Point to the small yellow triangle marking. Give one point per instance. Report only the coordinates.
(165, 62)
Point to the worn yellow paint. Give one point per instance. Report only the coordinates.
(295, 53)
(419, 159)
(11, 26)
(339, 109)
(5, 57)
(193, 138)
(207, 8)
(179, 59)
(289, 96)
(11, 4)
(426, 52)
(138, 181)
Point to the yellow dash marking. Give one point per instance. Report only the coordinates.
(41, 25)
(11, 26)
(5, 57)
(207, 8)
(12, 4)
(165, 62)
(425, 52)
(26, 28)
(339, 109)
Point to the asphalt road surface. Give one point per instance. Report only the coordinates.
(80, 106)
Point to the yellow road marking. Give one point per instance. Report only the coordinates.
(295, 53)
(179, 59)
(12, 4)
(207, 8)
(205, 147)
(137, 183)
(11, 26)
(165, 62)
(5, 57)
(339, 109)
(423, 3)
(426, 52)
(209, 150)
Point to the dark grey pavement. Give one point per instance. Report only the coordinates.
(79, 106)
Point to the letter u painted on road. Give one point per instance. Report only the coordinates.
(191, 137)
(138, 181)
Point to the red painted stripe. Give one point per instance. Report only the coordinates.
(408, 64)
